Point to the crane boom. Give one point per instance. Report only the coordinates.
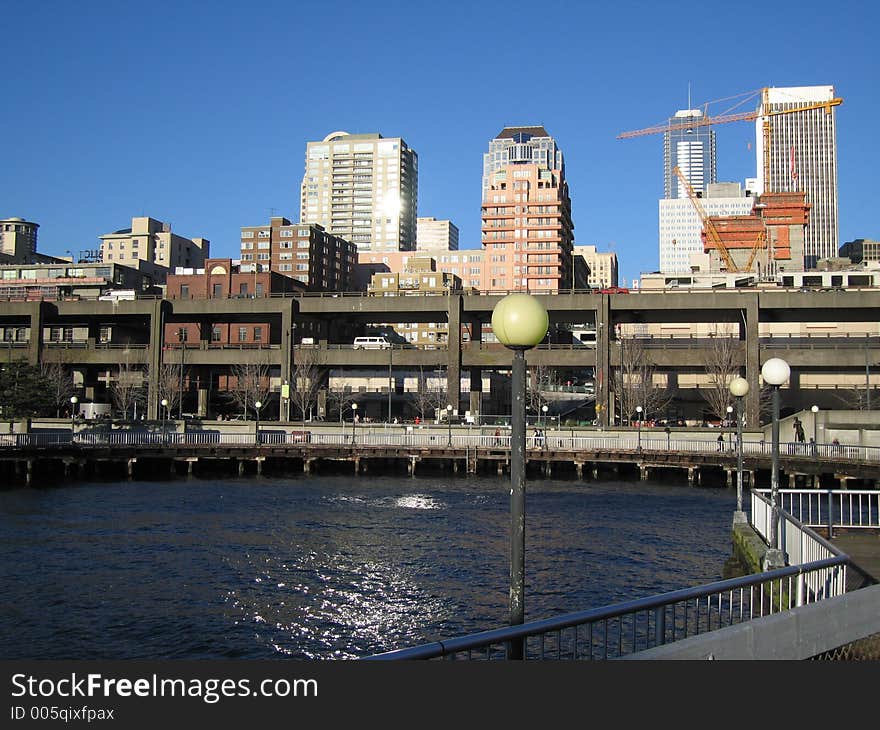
(707, 121)
(711, 231)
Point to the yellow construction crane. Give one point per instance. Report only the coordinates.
(706, 121)
(707, 223)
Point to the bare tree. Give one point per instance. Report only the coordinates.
(249, 383)
(856, 399)
(633, 382)
(308, 374)
(128, 388)
(539, 381)
(430, 397)
(60, 382)
(169, 385)
(339, 399)
(720, 360)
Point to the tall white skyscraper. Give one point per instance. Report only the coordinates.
(692, 150)
(802, 156)
(363, 188)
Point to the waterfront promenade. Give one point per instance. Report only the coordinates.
(692, 456)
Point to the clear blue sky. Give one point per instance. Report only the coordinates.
(198, 113)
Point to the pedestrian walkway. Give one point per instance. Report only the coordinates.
(863, 548)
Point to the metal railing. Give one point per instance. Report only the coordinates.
(375, 436)
(626, 628)
(832, 508)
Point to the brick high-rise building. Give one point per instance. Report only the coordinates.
(306, 252)
(527, 231)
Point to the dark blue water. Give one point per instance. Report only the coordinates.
(328, 567)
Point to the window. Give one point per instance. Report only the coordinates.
(258, 334)
(259, 286)
(243, 289)
(184, 291)
(242, 334)
(218, 291)
(182, 334)
(215, 334)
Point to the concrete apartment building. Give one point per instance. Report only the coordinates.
(601, 266)
(802, 156)
(319, 260)
(364, 188)
(436, 235)
(150, 246)
(861, 250)
(527, 231)
(18, 239)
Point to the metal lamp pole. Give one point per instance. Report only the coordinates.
(738, 388)
(729, 431)
(449, 423)
(73, 401)
(354, 410)
(775, 372)
(815, 411)
(520, 322)
(165, 420)
(257, 406)
(544, 410)
(639, 417)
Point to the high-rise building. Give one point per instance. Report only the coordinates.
(802, 156)
(602, 266)
(527, 231)
(303, 251)
(436, 235)
(364, 188)
(18, 239)
(692, 150)
(150, 246)
(518, 146)
(681, 226)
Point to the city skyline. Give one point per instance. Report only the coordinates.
(211, 138)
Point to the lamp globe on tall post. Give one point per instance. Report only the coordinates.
(354, 411)
(449, 422)
(73, 401)
(544, 410)
(639, 425)
(739, 387)
(164, 404)
(815, 411)
(775, 372)
(729, 419)
(257, 407)
(520, 322)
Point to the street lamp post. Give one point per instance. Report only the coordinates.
(354, 411)
(729, 431)
(639, 425)
(449, 423)
(520, 322)
(775, 372)
(73, 401)
(738, 388)
(257, 406)
(544, 410)
(165, 420)
(815, 411)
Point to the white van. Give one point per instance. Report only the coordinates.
(371, 343)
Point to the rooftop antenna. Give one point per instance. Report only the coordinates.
(689, 95)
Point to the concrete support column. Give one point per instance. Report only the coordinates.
(241, 467)
(203, 402)
(643, 473)
(260, 460)
(307, 466)
(476, 397)
(751, 481)
(412, 465)
(157, 342)
(35, 343)
(129, 468)
(580, 469)
(595, 471)
(29, 477)
(604, 392)
(190, 464)
(691, 475)
(357, 465)
(749, 334)
(500, 468)
(729, 473)
(287, 324)
(453, 371)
